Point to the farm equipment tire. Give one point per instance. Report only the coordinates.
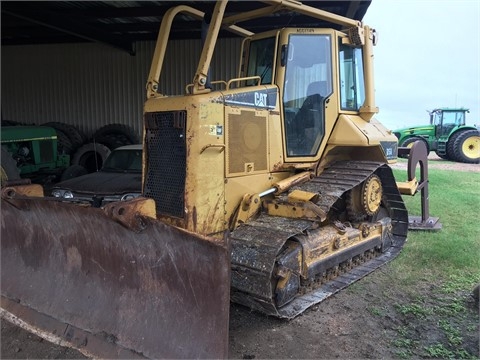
(117, 129)
(73, 171)
(409, 143)
(442, 156)
(64, 144)
(451, 146)
(466, 147)
(113, 141)
(91, 156)
(9, 170)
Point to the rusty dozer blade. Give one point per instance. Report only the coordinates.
(76, 277)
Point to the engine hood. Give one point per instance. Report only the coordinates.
(103, 183)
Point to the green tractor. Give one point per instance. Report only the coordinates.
(32, 152)
(447, 135)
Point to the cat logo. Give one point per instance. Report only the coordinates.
(260, 99)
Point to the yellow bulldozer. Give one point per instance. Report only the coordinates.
(272, 190)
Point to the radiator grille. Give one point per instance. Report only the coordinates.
(166, 161)
(247, 143)
(46, 151)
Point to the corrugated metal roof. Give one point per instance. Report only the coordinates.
(122, 23)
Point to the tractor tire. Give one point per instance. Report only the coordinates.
(466, 147)
(73, 171)
(409, 143)
(74, 135)
(451, 146)
(442, 156)
(117, 129)
(9, 169)
(91, 156)
(64, 144)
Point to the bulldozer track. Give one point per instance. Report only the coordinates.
(256, 245)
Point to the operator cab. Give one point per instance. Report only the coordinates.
(301, 62)
(445, 120)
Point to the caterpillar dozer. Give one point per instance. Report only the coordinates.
(272, 190)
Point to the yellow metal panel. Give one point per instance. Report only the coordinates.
(299, 195)
(347, 131)
(205, 193)
(352, 130)
(246, 141)
(408, 187)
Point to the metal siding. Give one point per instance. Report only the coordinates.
(91, 85)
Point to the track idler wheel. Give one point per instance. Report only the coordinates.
(365, 199)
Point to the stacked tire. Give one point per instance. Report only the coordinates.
(93, 154)
(115, 135)
(69, 137)
(90, 156)
(86, 155)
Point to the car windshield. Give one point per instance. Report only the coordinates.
(124, 161)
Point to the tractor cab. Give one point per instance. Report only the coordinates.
(447, 120)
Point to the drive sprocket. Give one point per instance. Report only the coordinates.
(365, 199)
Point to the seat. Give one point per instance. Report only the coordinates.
(317, 87)
(309, 121)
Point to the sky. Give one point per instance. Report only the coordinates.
(427, 56)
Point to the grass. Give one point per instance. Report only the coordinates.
(437, 271)
(454, 251)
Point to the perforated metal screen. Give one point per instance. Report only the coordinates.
(166, 160)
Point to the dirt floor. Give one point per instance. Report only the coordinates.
(371, 319)
(363, 321)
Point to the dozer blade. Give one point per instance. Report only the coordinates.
(76, 277)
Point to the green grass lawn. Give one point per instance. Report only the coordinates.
(454, 252)
(435, 273)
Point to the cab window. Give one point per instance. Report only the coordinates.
(308, 83)
(352, 94)
(260, 60)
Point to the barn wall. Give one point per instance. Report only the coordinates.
(90, 85)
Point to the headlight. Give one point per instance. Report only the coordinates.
(59, 193)
(129, 196)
